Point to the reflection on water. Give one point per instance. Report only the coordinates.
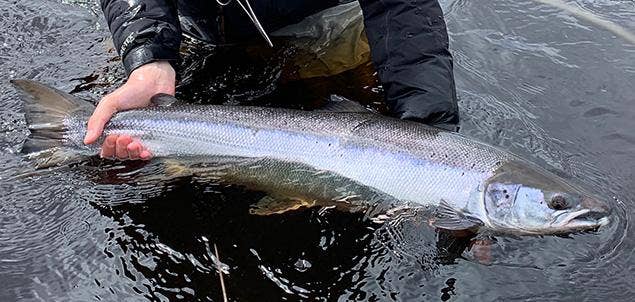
(531, 78)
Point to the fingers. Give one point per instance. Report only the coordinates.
(145, 155)
(137, 151)
(124, 147)
(134, 150)
(102, 114)
(108, 148)
(121, 150)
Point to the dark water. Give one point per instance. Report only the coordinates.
(531, 78)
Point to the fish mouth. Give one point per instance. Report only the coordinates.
(581, 219)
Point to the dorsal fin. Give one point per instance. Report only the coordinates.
(164, 100)
(338, 103)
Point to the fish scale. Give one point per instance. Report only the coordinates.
(316, 157)
(409, 161)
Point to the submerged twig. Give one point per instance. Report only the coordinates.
(220, 274)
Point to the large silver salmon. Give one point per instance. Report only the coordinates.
(335, 155)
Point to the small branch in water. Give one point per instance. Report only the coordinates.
(220, 274)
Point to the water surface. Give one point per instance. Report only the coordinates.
(531, 79)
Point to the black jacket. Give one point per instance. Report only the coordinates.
(408, 40)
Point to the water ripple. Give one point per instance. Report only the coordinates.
(531, 78)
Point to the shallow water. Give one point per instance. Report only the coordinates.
(531, 79)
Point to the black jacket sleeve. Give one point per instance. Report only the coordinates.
(143, 31)
(409, 47)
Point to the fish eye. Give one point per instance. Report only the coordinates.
(558, 202)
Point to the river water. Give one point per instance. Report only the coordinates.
(531, 79)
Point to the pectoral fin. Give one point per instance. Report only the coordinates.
(450, 218)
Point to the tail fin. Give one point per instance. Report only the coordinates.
(45, 110)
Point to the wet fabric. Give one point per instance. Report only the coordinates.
(407, 38)
(143, 30)
(328, 42)
(409, 44)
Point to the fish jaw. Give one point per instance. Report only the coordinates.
(581, 220)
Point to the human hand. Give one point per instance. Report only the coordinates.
(143, 83)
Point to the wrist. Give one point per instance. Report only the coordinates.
(145, 54)
(155, 77)
(153, 70)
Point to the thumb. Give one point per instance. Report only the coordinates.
(98, 120)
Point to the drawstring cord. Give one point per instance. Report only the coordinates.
(252, 16)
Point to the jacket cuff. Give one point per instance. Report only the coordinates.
(145, 54)
(435, 110)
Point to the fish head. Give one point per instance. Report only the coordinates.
(522, 199)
